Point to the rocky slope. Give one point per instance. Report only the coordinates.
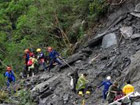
(114, 51)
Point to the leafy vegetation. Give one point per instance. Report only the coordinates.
(41, 23)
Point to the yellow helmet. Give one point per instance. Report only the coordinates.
(38, 50)
(80, 93)
(87, 92)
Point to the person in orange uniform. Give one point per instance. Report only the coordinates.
(128, 88)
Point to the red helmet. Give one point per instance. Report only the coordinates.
(49, 49)
(8, 68)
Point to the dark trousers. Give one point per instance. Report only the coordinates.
(56, 60)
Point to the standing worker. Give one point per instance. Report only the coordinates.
(112, 92)
(128, 88)
(54, 57)
(82, 84)
(10, 77)
(41, 58)
(31, 63)
(107, 83)
(26, 56)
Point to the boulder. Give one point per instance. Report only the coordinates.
(127, 32)
(137, 8)
(40, 87)
(109, 40)
(136, 12)
(72, 59)
(135, 36)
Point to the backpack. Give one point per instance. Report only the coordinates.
(30, 62)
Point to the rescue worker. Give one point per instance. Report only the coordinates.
(26, 56)
(112, 92)
(32, 62)
(107, 83)
(9, 74)
(41, 58)
(54, 57)
(128, 88)
(74, 78)
(82, 84)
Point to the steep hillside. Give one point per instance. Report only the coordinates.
(116, 53)
(112, 50)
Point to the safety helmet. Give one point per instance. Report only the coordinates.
(38, 50)
(49, 48)
(80, 93)
(87, 92)
(26, 50)
(108, 77)
(8, 68)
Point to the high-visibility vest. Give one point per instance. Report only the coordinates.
(128, 89)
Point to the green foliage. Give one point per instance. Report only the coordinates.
(2, 80)
(41, 23)
(25, 98)
(3, 96)
(97, 9)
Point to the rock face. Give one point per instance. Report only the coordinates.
(118, 62)
(109, 40)
(121, 63)
(133, 71)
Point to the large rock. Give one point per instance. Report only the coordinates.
(136, 12)
(135, 36)
(127, 32)
(137, 8)
(40, 87)
(109, 40)
(72, 59)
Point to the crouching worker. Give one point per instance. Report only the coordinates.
(128, 88)
(112, 93)
(81, 86)
(54, 57)
(10, 78)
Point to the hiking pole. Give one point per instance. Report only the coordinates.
(66, 63)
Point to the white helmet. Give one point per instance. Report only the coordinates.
(108, 77)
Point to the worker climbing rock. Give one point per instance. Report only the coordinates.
(31, 63)
(41, 58)
(26, 57)
(54, 57)
(107, 83)
(82, 84)
(128, 88)
(9, 74)
(112, 92)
